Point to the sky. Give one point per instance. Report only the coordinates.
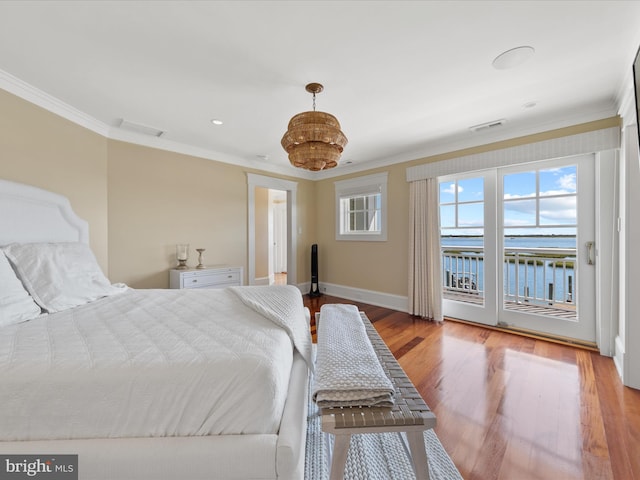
(539, 202)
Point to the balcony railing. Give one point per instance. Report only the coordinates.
(543, 277)
(462, 268)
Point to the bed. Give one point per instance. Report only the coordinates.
(142, 384)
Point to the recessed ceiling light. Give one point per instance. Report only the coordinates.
(216, 121)
(512, 58)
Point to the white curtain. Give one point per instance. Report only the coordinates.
(425, 259)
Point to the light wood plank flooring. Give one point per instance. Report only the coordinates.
(511, 407)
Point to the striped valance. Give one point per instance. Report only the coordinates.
(582, 143)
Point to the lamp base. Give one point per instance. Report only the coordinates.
(200, 250)
(182, 265)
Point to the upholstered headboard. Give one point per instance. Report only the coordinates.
(29, 214)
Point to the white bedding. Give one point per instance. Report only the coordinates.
(144, 363)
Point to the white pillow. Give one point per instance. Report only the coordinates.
(15, 303)
(60, 275)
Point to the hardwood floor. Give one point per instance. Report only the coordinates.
(512, 407)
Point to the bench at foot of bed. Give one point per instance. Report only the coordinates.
(410, 416)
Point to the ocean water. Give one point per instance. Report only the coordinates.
(541, 241)
(533, 278)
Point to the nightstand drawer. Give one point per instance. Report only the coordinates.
(213, 277)
(209, 280)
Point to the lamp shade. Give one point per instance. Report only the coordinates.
(313, 139)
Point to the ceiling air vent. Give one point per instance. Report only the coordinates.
(488, 125)
(144, 129)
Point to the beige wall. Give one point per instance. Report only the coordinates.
(307, 228)
(377, 266)
(383, 266)
(158, 199)
(42, 149)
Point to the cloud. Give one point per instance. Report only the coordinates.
(527, 206)
(515, 196)
(470, 223)
(560, 210)
(452, 189)
(568, 182)
(514, 222)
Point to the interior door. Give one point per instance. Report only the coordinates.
(280, 233)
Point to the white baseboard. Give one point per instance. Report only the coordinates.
(380, 299)
(304, 287)
(263, 281)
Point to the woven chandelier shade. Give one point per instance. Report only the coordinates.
(313, 139)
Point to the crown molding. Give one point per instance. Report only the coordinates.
(626, 101)
(42, 99)
(116, 133)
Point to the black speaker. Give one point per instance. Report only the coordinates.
(315, 291)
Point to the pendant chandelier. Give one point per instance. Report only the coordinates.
(314, 140)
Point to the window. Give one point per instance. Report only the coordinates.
(462, 238)
(541, 202)
(361, 205)
(462, 206)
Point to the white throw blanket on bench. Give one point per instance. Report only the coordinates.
(348, 372)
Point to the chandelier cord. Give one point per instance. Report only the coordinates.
(314, 101)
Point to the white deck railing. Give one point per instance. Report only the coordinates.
(536, 276)
(462, 269)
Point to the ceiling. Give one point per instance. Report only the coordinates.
(406, 79)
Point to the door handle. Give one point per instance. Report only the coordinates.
(591, 250)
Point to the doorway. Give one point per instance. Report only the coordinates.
(283, 255)
(270, 236)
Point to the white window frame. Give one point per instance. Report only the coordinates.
(366, 185)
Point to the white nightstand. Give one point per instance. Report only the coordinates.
(220, 276)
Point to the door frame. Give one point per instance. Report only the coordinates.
(253, 181)
(607, 218)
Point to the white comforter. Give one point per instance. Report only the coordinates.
(144, 363)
